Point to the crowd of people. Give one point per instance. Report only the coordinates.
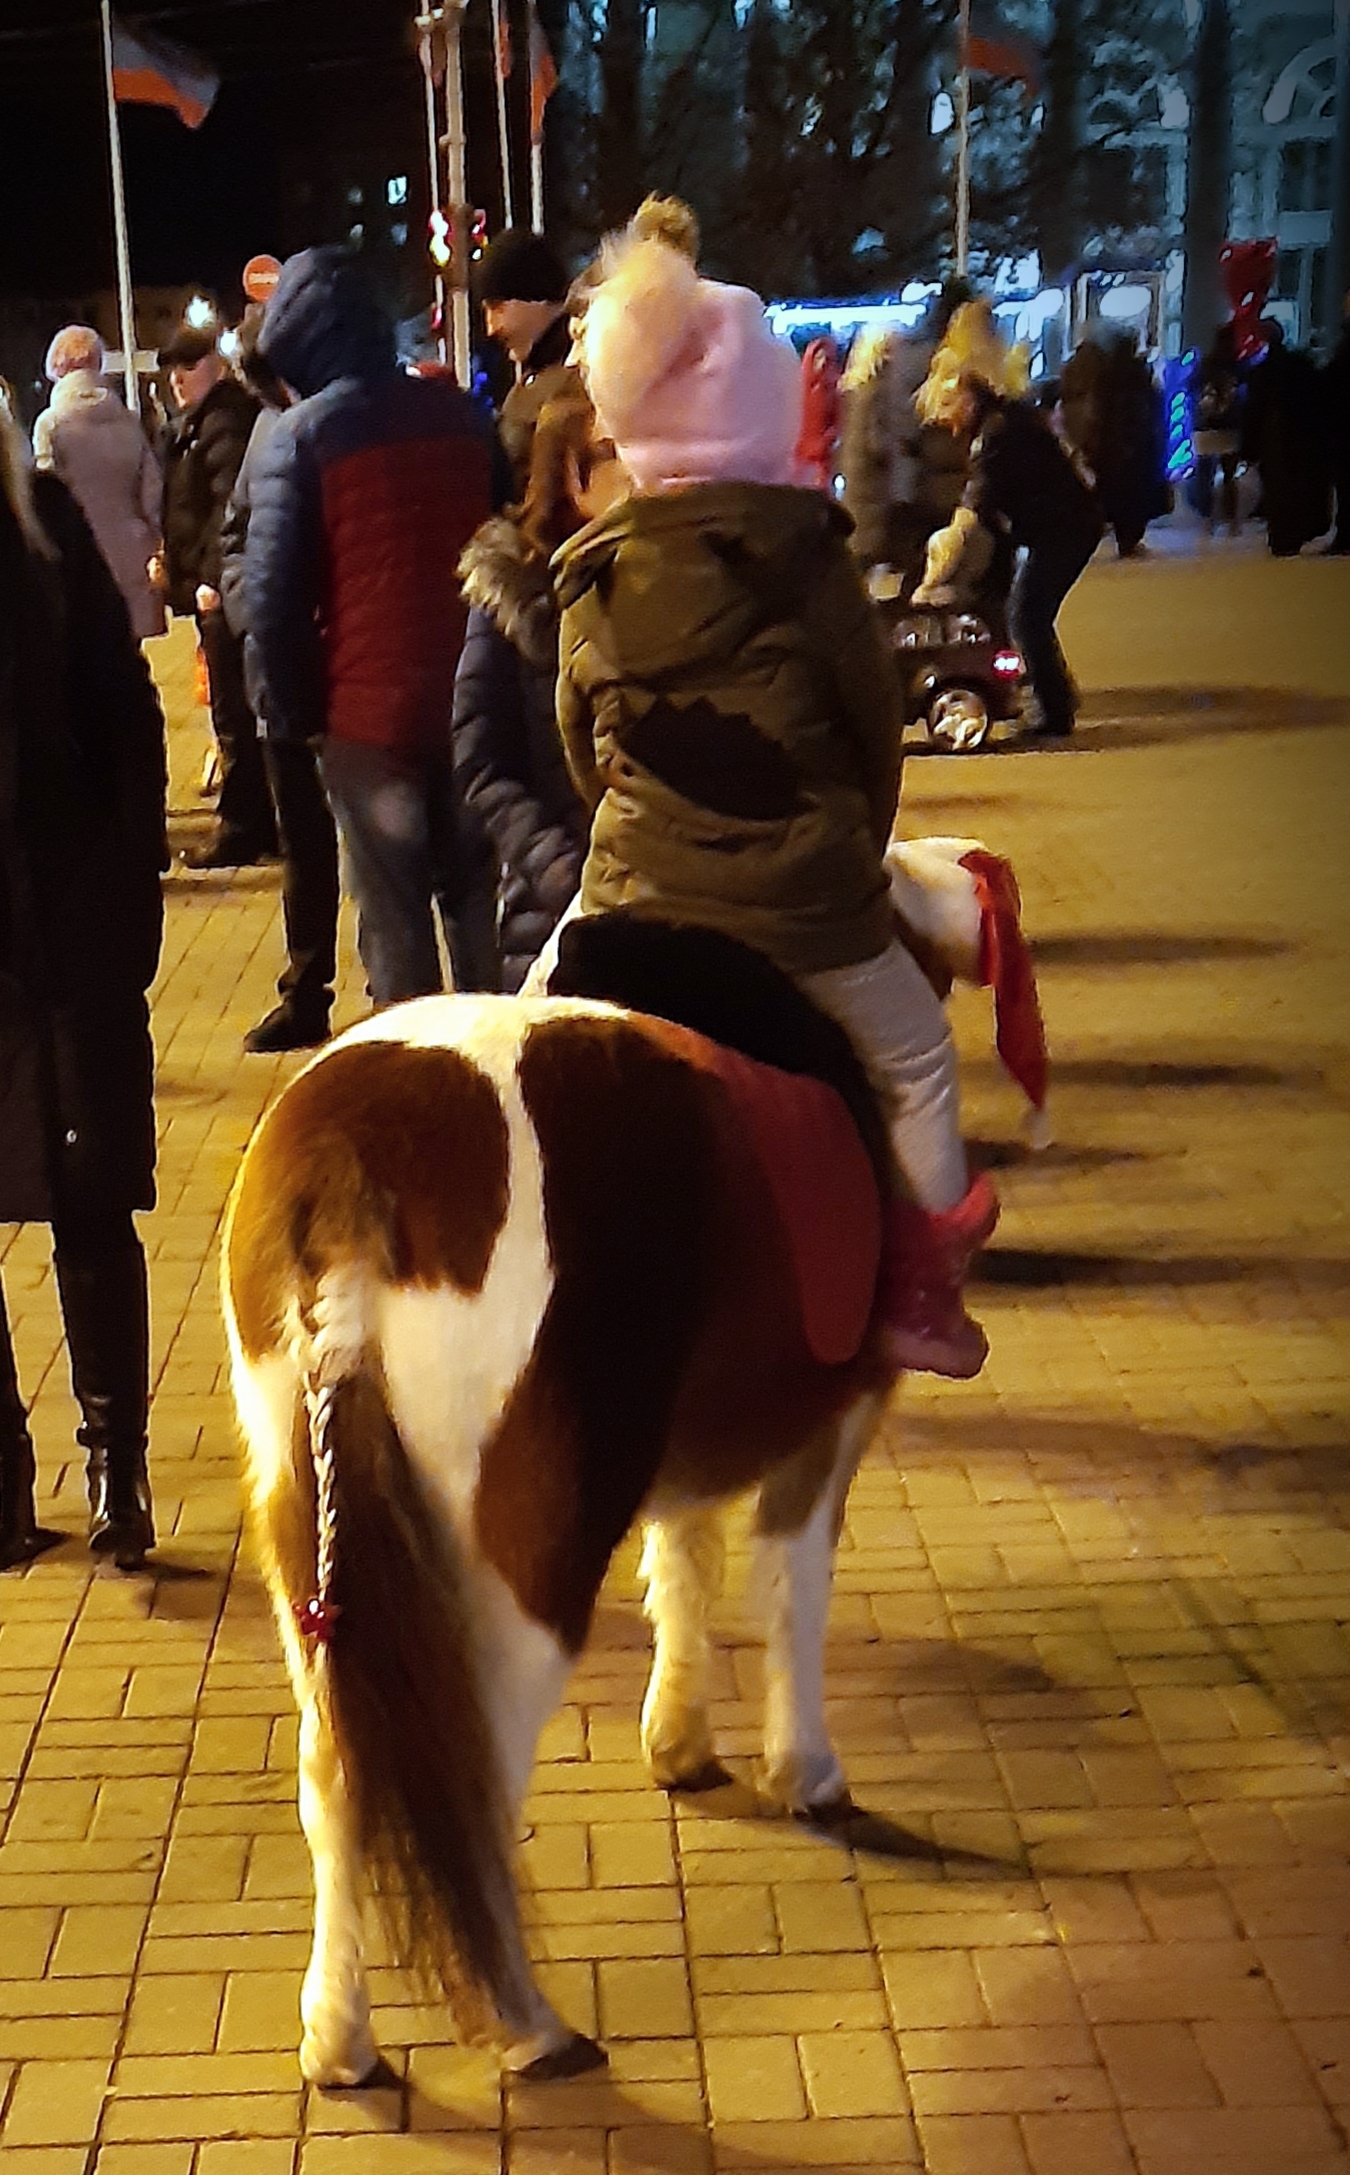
(611, 650)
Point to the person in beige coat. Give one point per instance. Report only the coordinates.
(103, 457)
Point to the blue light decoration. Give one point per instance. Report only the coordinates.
(1177, 372)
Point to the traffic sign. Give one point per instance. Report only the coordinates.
(260, 277)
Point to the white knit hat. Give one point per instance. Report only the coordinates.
(686, 377)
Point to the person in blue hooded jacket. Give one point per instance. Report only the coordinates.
(368, 489)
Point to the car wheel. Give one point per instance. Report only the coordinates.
(959, 720)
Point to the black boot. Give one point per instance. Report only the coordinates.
(106, 1307)
(21, 1537)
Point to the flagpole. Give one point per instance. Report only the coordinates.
(501, 33)
(126, 307)
(434, 167)
(456, 149)
(543, 83)
(537, 185)
(963, 143)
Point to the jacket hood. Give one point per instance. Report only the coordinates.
(324, 323)
(502, 577)
(689, 575)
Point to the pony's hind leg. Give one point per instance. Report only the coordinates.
(523, 1669)
(798, 1529)
(682, 1567)
(338, 2047)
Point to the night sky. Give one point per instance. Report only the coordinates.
(200, 201)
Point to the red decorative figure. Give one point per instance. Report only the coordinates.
(1247, 269)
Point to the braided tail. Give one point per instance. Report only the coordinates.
(387, 1624)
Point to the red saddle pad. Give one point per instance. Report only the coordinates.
(822, 1183)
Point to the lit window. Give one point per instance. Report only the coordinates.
(396, 189)
(398, 233)
(355, 193)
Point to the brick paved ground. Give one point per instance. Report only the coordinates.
(1090, 1638)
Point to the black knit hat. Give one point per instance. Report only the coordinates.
(521, 267)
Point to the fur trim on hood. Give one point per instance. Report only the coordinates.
(501, 576)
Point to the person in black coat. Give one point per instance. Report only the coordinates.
(509, 758)
(82, 849)
(1113, 418)
(205, 450)
(1025, 489)
(1280, 434)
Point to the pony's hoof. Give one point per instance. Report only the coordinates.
(710, 1775)
(329, 2073)
(832, 1814)
(379, 2077)
(572, 2059)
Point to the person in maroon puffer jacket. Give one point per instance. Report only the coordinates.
(367, 492)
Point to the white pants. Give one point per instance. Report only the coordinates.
(899, 1028)
(888, 1008)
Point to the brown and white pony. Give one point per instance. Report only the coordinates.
(502, 1275)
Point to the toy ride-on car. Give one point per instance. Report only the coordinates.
(959, 673)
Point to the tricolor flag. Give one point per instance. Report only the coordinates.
(993, 49)
(150, 71)
(543, 76)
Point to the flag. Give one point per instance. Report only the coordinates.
(501, 34)
(150, 71)
(543, 76)
(993, 49)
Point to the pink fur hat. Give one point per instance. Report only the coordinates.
(686, 377)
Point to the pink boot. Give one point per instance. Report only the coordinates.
(925, 1256)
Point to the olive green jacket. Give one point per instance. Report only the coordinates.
(731, 716)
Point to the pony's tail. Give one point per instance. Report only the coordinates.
(387, 1625)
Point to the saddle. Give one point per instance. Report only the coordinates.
(806, 1108)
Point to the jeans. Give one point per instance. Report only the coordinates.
(244, 810)
(1043, 581)
(309, 878)
(889, 1010)
(409, 855)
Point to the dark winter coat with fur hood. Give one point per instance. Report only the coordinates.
(508, 754)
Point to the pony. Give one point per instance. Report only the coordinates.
(501, 1276)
